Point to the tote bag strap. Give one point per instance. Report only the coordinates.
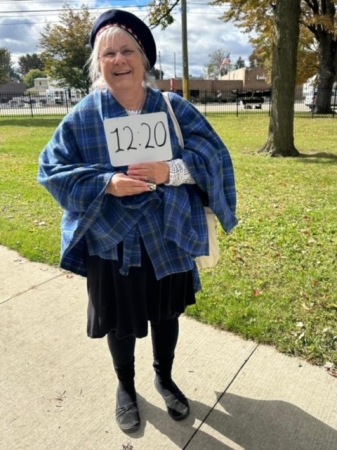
(177, 129)
(207, 261)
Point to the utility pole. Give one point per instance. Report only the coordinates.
(160, 71)
(186, 88)
(175, 66)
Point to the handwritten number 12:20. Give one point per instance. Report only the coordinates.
(153, 137)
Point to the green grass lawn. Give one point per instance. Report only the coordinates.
(276, 281)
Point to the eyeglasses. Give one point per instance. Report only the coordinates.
(111, 56)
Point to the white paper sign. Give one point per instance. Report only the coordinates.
(137, 139)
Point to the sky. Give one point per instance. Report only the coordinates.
(21, 22)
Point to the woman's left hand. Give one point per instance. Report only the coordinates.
(154, 172)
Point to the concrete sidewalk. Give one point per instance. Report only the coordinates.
(58, 386)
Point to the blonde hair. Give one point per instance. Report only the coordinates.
(97, 80)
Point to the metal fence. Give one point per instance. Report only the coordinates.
(219, 102)
(36, 105)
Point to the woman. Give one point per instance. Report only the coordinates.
(134, 231)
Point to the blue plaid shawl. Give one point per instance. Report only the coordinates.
(75, 168)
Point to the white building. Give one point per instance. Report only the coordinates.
(54, 94)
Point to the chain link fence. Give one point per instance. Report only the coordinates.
(219, 102)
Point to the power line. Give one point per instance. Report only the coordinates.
(103, 8)
(53, 14)
(30, 11)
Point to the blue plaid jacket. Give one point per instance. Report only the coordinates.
(75, 168)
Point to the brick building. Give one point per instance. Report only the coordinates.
(250, 80)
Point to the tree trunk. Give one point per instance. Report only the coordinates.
(281, 126)
(328, 57)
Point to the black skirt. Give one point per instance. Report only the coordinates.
(125, 304)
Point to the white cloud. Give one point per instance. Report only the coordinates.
(21, 24)
(20, 33)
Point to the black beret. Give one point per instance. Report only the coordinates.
(131, 24)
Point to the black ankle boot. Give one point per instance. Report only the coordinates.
(127, 414)
(176, 402)
(164, 341)
(122, 352)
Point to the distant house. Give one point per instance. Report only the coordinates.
(54, 94)
(10, 90)
(40, 85)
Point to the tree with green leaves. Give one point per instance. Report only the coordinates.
(30, 62)
(160, 12)
(15, 75)
(156, 73)
(255, 59)
(65, 48)
(5, 65)
(240, 63)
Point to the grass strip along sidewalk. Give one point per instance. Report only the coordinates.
(276, 281)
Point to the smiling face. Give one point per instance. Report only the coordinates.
(121, 63)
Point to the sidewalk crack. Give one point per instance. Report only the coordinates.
(35, 286)
(220, 397)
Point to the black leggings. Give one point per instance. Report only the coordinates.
(164, 340)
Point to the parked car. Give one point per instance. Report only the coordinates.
(16, 102)
(252, 102)
(310, 99)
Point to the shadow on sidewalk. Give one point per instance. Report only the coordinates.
(243, 423)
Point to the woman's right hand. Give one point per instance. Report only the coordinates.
(122, 185)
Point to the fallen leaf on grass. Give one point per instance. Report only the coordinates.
(305, 307)
(257, 292)
(40, 223)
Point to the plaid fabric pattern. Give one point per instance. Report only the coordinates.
(75, 168)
